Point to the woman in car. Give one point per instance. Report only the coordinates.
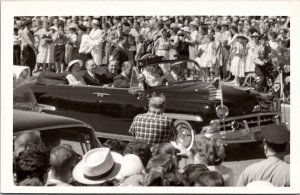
(75, 78)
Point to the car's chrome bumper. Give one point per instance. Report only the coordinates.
(243, 129)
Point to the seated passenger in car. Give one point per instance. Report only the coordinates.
(123, 79)
(90, 77)
(175, 73)
(75, 78)
(151, 78)
(109, 71)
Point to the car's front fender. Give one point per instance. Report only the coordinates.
(187, 117)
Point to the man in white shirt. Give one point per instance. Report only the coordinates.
(273, 169)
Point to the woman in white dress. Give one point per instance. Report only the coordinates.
(251, 47)
(46, 47)
(96, 41)
(238, 61)
(75, 78)
(207, 54)
(163, 45)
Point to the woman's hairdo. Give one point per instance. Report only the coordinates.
(140, 149)
(210, 150)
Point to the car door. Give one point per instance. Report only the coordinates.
(121, 107)
(79, 102)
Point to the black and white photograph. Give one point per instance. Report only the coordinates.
(149, 99)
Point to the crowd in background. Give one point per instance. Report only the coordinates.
(224, 46)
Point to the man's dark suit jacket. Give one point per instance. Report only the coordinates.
(97, 80)
(120, 55)
(103, 71)
(121, 81)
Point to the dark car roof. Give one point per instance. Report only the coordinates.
(29, 120)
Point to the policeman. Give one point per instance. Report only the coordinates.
(273, 169)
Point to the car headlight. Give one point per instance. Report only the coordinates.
(222, 111)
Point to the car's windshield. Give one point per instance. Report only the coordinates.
(172, 71)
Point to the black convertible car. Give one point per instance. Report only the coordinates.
(195, 101)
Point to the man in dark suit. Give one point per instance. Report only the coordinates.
(123, 79)
(120, 52)
(109, 71)
(90, 77)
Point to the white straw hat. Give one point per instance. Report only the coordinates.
(131, 165)
(72, 63)
(97, 166)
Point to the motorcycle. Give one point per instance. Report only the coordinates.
(277, 76)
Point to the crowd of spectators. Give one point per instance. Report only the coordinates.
(118, 164)
(229, 47)
(138, 163)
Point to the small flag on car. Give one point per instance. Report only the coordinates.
(215, 91)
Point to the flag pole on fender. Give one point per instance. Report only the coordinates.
(221, 91)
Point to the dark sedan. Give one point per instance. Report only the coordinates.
(56, 130)
(194, 101)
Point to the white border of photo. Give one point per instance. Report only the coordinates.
(165, 7)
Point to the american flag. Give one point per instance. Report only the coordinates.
(215, 91)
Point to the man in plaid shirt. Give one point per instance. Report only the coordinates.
(153, 127)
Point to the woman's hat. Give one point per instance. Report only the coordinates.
(165, 18)
(193, 23)
(70, 65)
(53, 28)
(255, 34)
(97, 166)
(62, 19)
(173, 25)
(186, 29)
(241, 36)
(73, 26)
